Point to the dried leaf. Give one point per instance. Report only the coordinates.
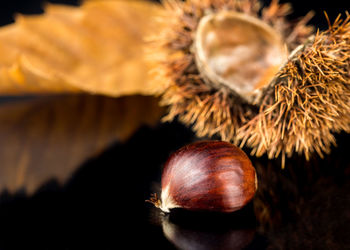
(97, 48)
(49, 137)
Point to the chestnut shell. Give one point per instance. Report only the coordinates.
(208, 176)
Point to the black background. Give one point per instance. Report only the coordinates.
(103, 205)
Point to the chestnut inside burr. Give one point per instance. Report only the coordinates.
(238, 51)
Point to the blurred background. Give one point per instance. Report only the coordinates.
(75, 171)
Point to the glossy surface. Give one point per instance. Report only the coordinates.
(101, 206)
(209, 176)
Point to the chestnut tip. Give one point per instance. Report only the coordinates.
(164, 206)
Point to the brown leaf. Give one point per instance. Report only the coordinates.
(49, 137)
(97, 48)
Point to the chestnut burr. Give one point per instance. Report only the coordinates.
(207, 176)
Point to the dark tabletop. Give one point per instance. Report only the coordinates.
(101, 204)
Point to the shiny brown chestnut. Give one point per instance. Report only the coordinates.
(207, 176)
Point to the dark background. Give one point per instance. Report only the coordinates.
(103, 205)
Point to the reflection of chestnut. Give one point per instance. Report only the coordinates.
(207, 176)
(206, 238)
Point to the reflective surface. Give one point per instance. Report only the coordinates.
(51, 136)
(103, 204)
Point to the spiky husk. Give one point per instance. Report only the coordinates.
(312, 99)
(298, 111)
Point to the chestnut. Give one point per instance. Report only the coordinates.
(207, 176)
